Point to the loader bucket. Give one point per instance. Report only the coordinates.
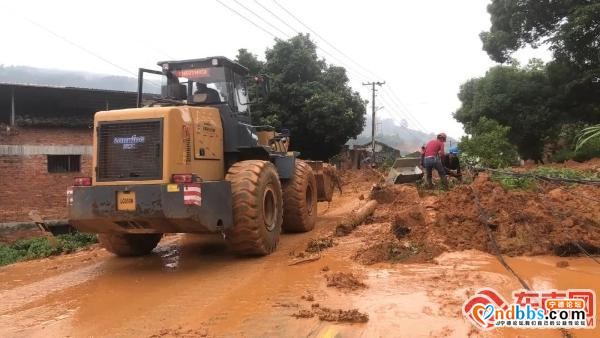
(405, 170)
(327, 179)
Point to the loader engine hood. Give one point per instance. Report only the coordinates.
(148, 145)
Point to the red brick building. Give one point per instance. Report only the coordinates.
(46, 141)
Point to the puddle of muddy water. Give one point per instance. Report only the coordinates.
(426, 299)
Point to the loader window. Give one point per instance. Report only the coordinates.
(241, 94)
(209, 92)
(204, 85)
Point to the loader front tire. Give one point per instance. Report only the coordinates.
(257, 207)
(129, 244)
(300, 200)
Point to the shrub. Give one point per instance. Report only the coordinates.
(582, 146)
(488, 145)
(588, 150)
(40, 247)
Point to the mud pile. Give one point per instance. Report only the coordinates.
(592, 165)
(333, 315)
(319, 244)
(179, 332)
(344, 281)
(352, 180)
(549, 221)
(395, 232)
(553, 220)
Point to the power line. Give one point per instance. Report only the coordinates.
(261, 18)
(362, 76)
(274, 35)
(400, 113)
(395, 110)
(247, 19)
(323, 39)
(277, 17)
(350, 70)
(400, 103)
(78, 46)
(415, 120)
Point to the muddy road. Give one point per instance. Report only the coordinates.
(194, 286)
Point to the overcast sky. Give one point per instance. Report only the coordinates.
(423, 49)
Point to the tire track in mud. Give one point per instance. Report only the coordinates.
(21, 296)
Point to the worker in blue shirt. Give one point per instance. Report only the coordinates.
(451, 163)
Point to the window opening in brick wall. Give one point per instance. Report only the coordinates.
(64, 163)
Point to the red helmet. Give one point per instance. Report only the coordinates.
(442, 136)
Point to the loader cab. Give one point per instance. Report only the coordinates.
(213, 81)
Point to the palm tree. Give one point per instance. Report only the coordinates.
(586, 134)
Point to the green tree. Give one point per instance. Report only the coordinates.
(488, 145)
(519, 98)
(250, 61)
(309, 97)
(571, 29)
(539, 101)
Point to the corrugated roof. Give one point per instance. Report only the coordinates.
(54, 106)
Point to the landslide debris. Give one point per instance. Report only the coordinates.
(550, 220)
(180, 332)
(319, 244)
(344, 281)
(333, 315)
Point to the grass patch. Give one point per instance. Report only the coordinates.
(515, 182)
(529, 182)
(565, 173)
(41, 247)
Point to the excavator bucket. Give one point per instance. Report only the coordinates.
(405, 170)
(327, 179)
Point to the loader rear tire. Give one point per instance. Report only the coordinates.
(300, 200)
(129, 244)
(257, 207)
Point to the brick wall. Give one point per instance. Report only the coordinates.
(47, 136)
(25, 183)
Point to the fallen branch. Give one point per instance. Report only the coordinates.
(306, 260)
(355, 219)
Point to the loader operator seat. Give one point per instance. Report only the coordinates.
(203, 94)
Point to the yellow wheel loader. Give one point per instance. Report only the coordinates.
(190, 161)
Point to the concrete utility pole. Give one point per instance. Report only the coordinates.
(373, 84)
(12, 107)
